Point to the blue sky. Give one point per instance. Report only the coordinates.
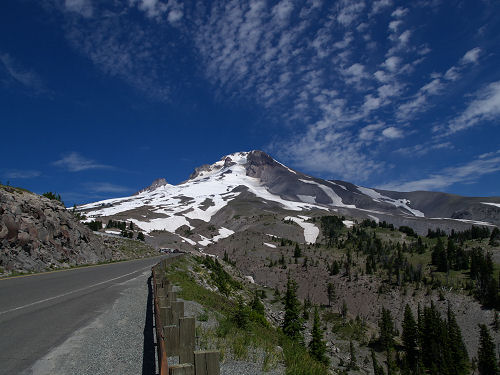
(98, 98)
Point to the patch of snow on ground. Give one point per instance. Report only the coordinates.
(311, 231)
(465, 221)
(377, 197)
(492, 204)
(170, 224)
(270, 245)
(223, 233)
(377, 220)
(336, 200)
(204, 241)
(307, 198)
(348, 223)
(189, 241)
(250, 279)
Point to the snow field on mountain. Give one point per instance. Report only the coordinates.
(492, 204)
(336, 200)
(270, 245)
(377, 197)
(311, 231)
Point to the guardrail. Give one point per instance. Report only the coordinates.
(175, 333)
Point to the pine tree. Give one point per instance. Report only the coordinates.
(257, 305)
(292, 322)
(377, 369)
(330, 289)
(297, 253)
(387, 331)
(459, 364)
(240, 315)
(487, 361)
(410, 338)
(352, 357)
(317, 347)
(140, 236)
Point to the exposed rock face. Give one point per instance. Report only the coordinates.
(159, 182)
(37, 233)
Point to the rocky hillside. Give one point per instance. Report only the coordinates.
(37, 234)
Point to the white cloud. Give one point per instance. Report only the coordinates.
(484, 107)
(394, 25)
(404, 37)
(74, 162)
(106, 187)
(82, 7)
(369, 132)
(22, 174)
(392, 132)
(349, 11)
(23, 76)
(400, 12)
(472, 56)
(466, 173)
(380, 5)
(392, 63)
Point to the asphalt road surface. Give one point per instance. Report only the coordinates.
(39, 312)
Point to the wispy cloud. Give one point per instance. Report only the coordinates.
(74, 162)
(310, 66)
(106, 187)
(22, 174)
(466, 173)
(19, 74)
(484, 107)
(82, 7)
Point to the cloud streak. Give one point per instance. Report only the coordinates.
(464, 173)
(74, 162)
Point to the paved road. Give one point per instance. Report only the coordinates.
(39, 312)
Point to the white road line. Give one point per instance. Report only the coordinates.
(73, 291)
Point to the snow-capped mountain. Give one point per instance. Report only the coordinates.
(216, 194)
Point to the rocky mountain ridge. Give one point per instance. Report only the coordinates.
(253, 181)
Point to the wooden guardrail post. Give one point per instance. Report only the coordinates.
(177, 311)
(186, 339)
(172, 339)
(206, 362)
(182, 369)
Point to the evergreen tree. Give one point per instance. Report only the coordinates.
(140, 236)
(459, 364)
(387, 331)
(410, 338)
(317, 347)
(495, 237)
(332, 294)
(487, 361)
(297, 253)
(307, 306)
(257, 305)
(292, 322)
(240, 315)
(377, 369)
(352, 357)
(436, 355)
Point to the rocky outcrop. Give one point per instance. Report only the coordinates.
(159, 182)
(38, 234)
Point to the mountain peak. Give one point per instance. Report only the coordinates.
(159, 182)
